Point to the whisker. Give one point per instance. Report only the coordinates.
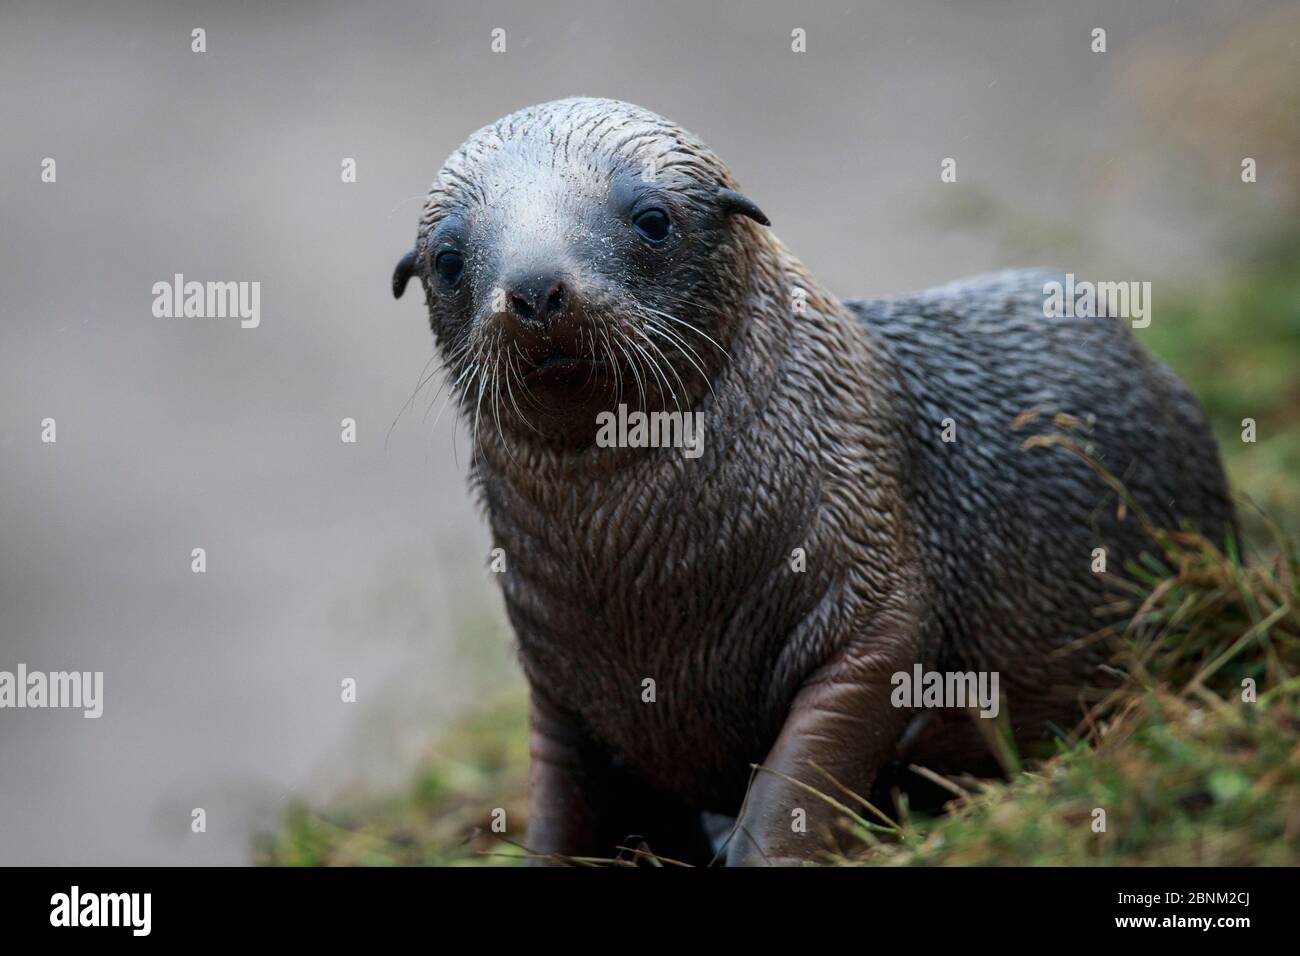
(613, 362)
(451, 393)
(672, 368)
(510, 364)
(478, 407)
(496, 396)
(422, 381)
(620, 340)
(687, 352)
(654, 366)
(698, 331)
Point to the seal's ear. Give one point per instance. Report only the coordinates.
(402, 274)
(733, 201)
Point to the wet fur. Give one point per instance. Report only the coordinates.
(823, 433)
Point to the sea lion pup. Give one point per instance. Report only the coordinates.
(861, 502)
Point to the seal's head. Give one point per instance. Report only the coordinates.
(578, 254)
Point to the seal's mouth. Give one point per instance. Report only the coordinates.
(562, 365)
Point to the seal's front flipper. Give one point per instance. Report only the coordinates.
(841, 728)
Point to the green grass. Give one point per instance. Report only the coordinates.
(443, 818)
(1238, 346)
(1180, 785)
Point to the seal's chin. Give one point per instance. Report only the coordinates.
(565, 393)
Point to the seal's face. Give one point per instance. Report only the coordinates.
(576, 255)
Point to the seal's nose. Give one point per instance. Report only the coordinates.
(537, 298)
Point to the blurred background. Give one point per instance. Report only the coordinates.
(328, 560)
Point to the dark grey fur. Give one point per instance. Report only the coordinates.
(824, 431)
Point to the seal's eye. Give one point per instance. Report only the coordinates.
(653, 224)
(449, 266)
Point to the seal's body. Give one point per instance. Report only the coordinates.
(863, 502)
